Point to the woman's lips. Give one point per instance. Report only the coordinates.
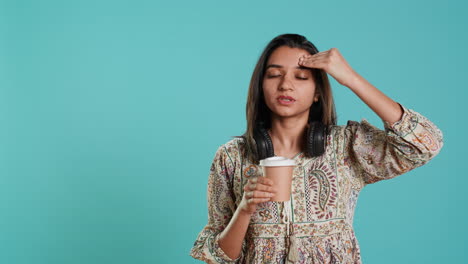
(284, 101)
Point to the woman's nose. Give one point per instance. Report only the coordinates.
(286, 84)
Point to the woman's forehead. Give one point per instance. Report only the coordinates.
(286, 56)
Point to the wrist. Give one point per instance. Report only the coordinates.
(244, 213)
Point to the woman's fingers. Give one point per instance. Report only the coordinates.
(259, 187)
(264, 184)
(258, 200)
(260, 181)
(265, 180)
(258, 194)
(318, 60)
(258, 190)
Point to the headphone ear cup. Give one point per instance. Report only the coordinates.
(263, 143)
(315, 141)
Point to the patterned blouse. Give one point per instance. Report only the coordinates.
(325, 190)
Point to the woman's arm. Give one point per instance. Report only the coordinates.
(221, 208)
(332, 62)
(387, 109)
(222, 238)
(374, 154)
(233, 235)
(257, 190)
(408, 141)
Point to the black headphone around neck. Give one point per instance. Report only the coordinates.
(315, 140)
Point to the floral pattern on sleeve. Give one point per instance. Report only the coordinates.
(378, 154)
(221, 207)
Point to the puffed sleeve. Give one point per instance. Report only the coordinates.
(376, 154)
(221, 207)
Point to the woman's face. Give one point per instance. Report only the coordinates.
(284, 77)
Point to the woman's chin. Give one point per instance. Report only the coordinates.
(281, 114)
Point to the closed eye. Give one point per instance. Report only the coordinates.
(273, 76)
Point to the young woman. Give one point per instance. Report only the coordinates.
(290, 103)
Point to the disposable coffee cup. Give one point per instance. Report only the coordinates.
(280, 170)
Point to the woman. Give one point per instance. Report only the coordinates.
(289, 93)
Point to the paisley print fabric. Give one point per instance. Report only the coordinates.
(325, 190)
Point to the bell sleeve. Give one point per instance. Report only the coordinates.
(376, 154)
(221, 207)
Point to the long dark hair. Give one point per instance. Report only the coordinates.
(256, 109)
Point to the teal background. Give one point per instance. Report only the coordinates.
(111, 112)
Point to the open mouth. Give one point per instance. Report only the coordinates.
(285, 100)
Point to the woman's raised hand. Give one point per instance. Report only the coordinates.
(257, 190)
(333, 63)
